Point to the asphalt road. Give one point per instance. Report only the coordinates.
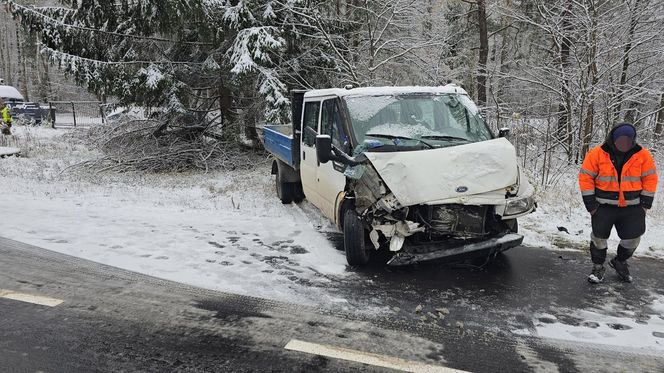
(480, 320)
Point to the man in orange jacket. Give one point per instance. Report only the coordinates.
(618, 182)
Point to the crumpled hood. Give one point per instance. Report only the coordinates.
(419, 177)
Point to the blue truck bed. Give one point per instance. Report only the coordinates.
(279, 141)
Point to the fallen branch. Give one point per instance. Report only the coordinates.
(152, 146)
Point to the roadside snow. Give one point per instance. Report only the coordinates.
(603, 328)
(222, 231)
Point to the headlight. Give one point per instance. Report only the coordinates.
(519, 206)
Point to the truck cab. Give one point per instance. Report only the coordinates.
(413, 170)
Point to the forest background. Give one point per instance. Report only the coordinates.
(559, 72)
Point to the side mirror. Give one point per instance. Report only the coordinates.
(503, 132)
(323, 148)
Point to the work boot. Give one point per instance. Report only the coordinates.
(597, 274)
(622, 269)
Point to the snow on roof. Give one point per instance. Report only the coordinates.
(9, 92)
(376, 91)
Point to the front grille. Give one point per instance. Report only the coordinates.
(456, 219)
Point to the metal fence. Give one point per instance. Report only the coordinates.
(66, 114)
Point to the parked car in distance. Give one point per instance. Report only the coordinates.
(21, 108)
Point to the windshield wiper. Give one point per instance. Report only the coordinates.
(395, 137)
(444, 137)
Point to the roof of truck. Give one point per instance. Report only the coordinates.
(9, 92)
(377, 91)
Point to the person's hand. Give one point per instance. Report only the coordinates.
(644, 209)
(593, 212)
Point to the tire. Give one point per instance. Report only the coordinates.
(298, 193)
(284, 190)
(512, 225)
(354, 240)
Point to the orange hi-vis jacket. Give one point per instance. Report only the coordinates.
(601, 184)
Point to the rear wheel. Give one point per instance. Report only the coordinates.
(298, 192)
(284, 190)
(354, 239)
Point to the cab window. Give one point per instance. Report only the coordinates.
(311, 110)
(331, 124)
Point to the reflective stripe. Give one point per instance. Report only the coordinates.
(607, 201)
(588, 192)
(629, 202)
(607, 178)
(600, 243)
(647, 194)
(632, 202)
(630, 244)
(584, 171)
(631, 178)
(648, 173)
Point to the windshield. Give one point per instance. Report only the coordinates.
(441, 120)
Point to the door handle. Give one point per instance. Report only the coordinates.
(304, 155)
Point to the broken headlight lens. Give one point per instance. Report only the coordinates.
(519, 206)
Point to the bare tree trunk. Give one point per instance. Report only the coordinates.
(23, 74)
(8, 49)
(48, 89)
(355, 43)
(625, 66)
(631, 113)
(660, 120)
(588, 127)
(592, 78)
(3, 53)
(564, 119)
(484, 53)
(372, 44)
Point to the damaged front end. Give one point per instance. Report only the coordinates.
(425, 232)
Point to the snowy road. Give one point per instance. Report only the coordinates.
(529, 311)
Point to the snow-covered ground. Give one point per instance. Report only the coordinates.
(223, 230)
(611, 326)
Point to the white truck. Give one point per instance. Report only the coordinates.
(411, 169)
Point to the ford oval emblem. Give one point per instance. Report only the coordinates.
(462, 189)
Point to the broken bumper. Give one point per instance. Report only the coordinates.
(499, 244)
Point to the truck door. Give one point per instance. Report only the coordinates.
(331, 180)
(308, 161)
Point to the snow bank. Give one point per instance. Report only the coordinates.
(222, 231)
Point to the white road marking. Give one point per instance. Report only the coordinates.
(366, 358)
(35, 299)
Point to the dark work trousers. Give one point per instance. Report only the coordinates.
(630, 221)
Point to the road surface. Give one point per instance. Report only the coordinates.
(529, 310)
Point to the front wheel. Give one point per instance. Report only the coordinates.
(354, 243)
(512, 225)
